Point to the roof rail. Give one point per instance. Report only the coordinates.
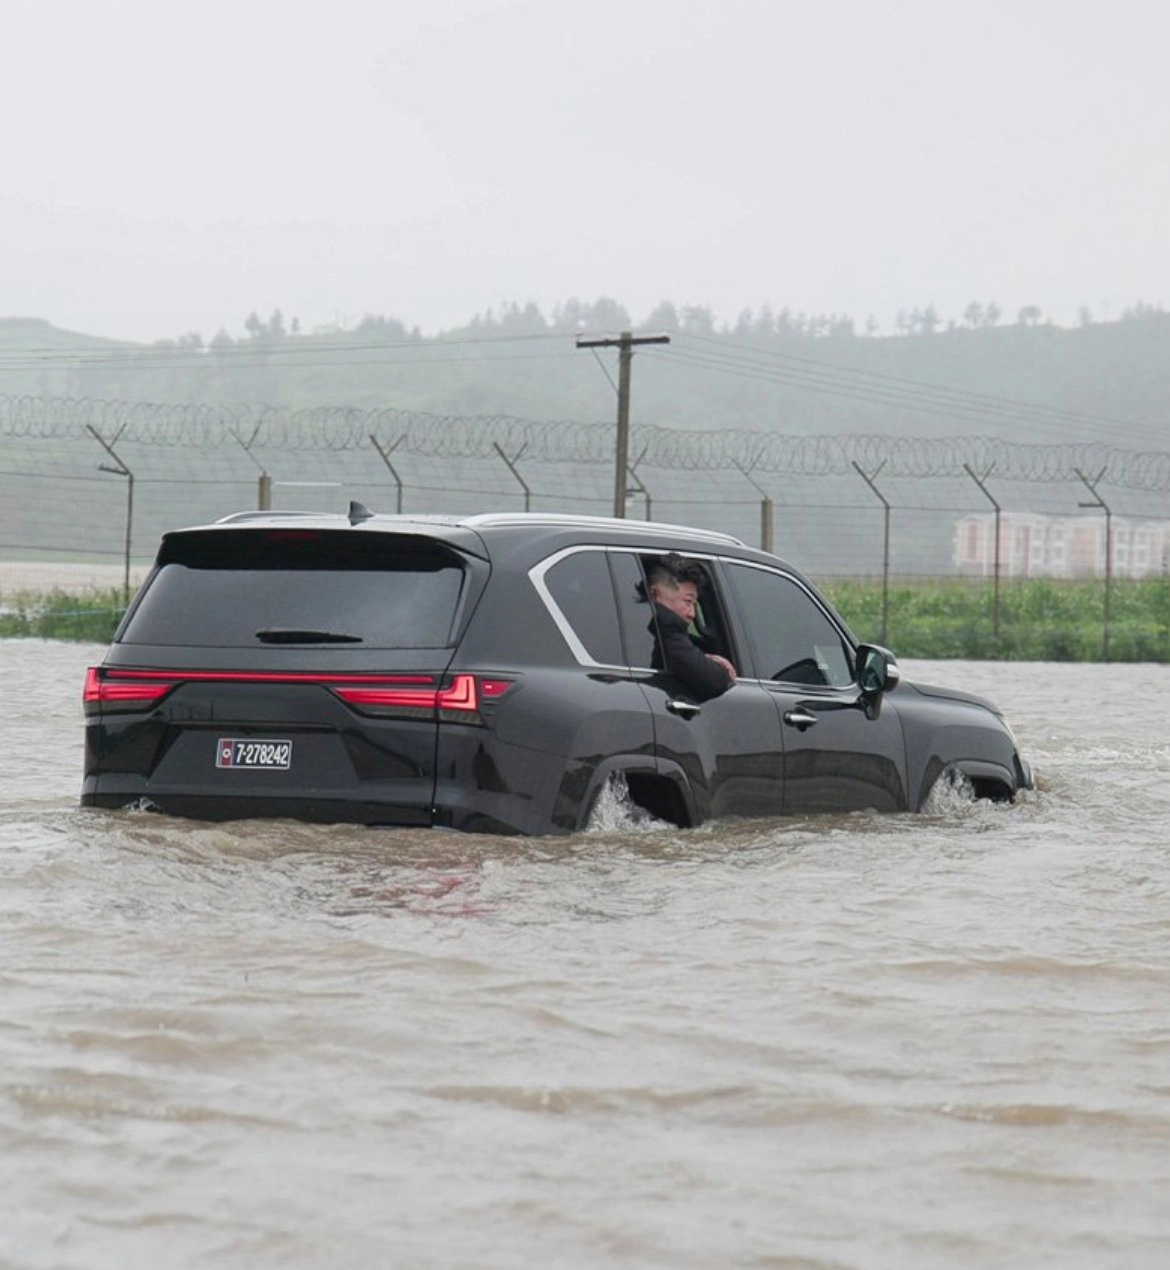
(490, 519)
(493, 520)
(235, 517)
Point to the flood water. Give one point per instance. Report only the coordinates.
(936, 1041)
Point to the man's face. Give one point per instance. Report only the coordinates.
(681, 599)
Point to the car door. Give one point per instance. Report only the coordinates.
(594, 714)
(839, 755)
(727, 748)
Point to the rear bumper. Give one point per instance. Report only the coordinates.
(504, 789)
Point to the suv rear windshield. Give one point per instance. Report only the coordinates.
(257, 587)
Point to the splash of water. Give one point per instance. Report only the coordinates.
(616, 812)
(950, 794)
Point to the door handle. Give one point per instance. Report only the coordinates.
(687, 709)
(800, 718)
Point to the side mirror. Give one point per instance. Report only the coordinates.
(877, 670)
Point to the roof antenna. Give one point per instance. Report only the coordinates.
(358, 512)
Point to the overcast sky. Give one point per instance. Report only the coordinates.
(169, 167)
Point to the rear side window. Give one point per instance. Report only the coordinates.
(580, 587)
(636, 612)
(254, 588)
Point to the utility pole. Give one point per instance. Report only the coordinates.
(624, 343)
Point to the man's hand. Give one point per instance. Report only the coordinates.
(722, 661)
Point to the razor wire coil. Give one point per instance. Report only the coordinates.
(337, 429)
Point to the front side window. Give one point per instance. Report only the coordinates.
(794, 639)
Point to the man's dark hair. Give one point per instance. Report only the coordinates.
(674, 569)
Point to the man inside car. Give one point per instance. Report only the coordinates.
(673, 586)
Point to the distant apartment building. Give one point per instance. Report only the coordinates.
(1033, 545)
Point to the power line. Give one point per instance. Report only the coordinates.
(259, 364)
(955, 403)
(835, 368)
(828, 387)
(286, 348)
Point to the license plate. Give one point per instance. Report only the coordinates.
(230, 752)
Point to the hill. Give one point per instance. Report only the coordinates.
(1029, 381)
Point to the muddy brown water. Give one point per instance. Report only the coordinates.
(937, 1040)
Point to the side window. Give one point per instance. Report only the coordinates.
(580, 587)
(634, 609)
(794, 640)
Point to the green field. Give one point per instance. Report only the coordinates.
(92, 616)
(1040, 619)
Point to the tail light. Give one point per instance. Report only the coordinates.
(400, 696)
(459, 701)
(101, 691)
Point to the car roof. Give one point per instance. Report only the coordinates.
(483, 533)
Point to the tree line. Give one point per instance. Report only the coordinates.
(606, 314)
(778, 370)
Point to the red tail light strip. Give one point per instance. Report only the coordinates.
(378, 692)
(99, 689)
(255, 676)
(461, 695)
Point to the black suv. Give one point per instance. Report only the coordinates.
(494, 672)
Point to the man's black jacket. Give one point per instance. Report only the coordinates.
(676, 653)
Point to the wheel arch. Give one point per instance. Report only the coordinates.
(989, 780)
(661, 789)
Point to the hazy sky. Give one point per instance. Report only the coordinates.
(171, 167)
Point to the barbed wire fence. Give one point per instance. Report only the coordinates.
(336, 429)
(88, 486)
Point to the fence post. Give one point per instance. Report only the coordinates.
(264, 482)
(385, 455)
(120, 470)
(998, 510)
(869, 480)
(511, 463)
(639, 484)
(1098, 501)
(766, 509)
